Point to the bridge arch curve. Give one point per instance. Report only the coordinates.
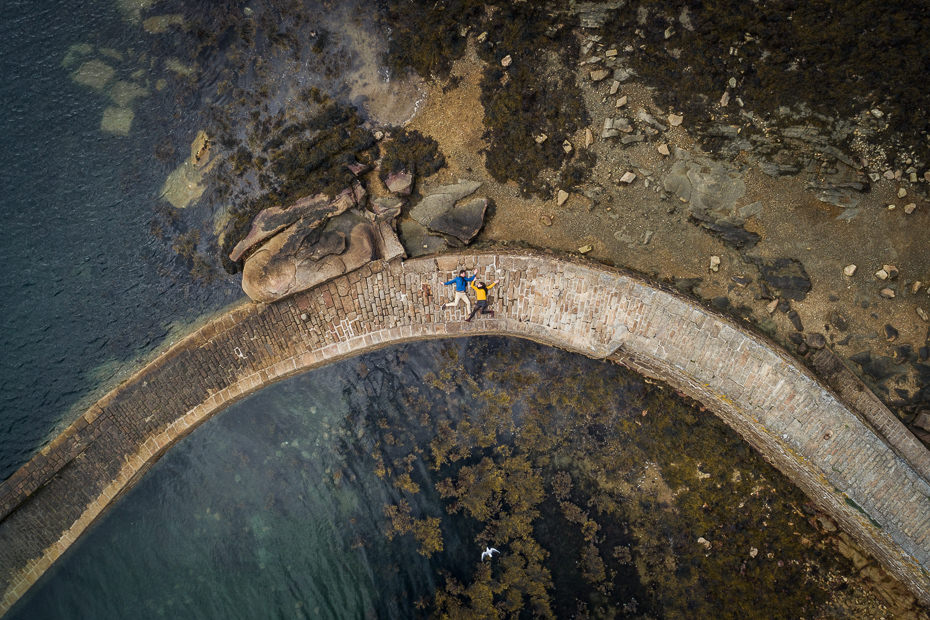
(854, 459)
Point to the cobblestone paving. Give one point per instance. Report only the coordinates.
(855, 460)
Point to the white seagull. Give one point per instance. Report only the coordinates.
(489, 553)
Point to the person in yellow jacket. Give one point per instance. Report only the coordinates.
(481, 303)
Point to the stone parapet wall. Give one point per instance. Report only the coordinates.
(863, 468)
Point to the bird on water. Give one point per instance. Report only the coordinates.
(488, 553)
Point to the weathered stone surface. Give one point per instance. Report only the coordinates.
(851, 456)
(298, 259)
(312, 211)
(462, 222)
(400, 183)
(438, 200)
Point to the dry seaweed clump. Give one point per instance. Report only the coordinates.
(284, 159)
(533, 104)
(531, 101)
(839, 58)
(411, 151)
(428, 36)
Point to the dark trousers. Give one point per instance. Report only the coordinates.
(482, 305)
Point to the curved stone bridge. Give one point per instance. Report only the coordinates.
(852, 457)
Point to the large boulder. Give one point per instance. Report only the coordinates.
(298, 258)
(438, 200)
(311, 211)
(462, 222)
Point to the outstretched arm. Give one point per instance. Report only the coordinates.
(452, 281)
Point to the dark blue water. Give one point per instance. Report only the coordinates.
(85, 284)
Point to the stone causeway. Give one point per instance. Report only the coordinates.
(831, 436)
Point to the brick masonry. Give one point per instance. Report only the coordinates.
(851, 456)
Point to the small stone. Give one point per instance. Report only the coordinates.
(902, 192)
(772, 306)
(881, 274)
(611, 53)
(567, 147)
(725, 99)
(614, 87)
(887, 293)
(506, 61)
(915, 287)
(541, 138)
(891, 334)
(922, 314)
(621, 101)
(585, 249)
(753, 552)
(545, 220)
(628, 177)
(927, 176)
(669, 32)
(732, 82)
(877, 113)
(675, 120)
(379, 135)
(714, 263)
(910, 207)
(561, 197)
(482, 37)
(704, 542)
(647, 237)
(849, 270)
(663, 149)
(889, 174)
(599, 74)
(891, 270)
(815, 341)
(891, 207)
(588, 137)
(912, 177)
(303, 316)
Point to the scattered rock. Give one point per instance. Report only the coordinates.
(647, 237)
(915, 287)
(588, 138)
(628, 177)
(704, 542)
(922, 314)
(715, 263)
(877, 113)
(786, 276)
(541, 138)
(922, 421)
(815, 340)
(385, 207)
(795, 319)
(772, 306)
(725, 99)
(887, 293)
(910, 207)
(567, 147)
(117, 121)
(599, 74)
(506, 61)
(881, 274)
(849, 270)
(753, 552)
(545, 220)
(621, 101)
(902, 192)
(675, 120)
(561, 197)
(585, 249)
(663, 149)
(400, 183)
(891, 270)
(891, 334)
(94, 74)
(614, 87)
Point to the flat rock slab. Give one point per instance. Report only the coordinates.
(462, 222)
(438, 200)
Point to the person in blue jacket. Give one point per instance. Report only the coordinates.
(461, 286)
